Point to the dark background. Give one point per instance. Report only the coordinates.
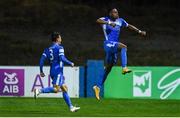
(25, 26)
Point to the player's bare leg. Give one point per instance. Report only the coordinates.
(67, 99)
(96, 88)
(123, 49)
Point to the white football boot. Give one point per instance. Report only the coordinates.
(74, 109)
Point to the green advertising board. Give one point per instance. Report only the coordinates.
(144, 82)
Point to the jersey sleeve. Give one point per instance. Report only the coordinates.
(61, 51)
(42, 60)
(62, 57)
(124, 23)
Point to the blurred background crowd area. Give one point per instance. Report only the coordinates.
(25, 27)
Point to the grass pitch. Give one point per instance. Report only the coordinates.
(52, 107)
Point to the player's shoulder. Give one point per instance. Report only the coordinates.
(60, 46)
(121, 19)
(46, 49)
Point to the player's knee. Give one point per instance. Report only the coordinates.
(122, 45)
(125, 46)
(64, 88)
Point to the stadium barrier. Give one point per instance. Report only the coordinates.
(144, 83)
(21, 80)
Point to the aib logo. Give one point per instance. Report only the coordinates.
(11, 82)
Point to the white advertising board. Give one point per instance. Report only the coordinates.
(29, 79)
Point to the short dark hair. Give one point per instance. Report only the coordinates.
(54, 36)
(111, 8)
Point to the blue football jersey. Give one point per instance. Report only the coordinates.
(113, 33)
(55, 55)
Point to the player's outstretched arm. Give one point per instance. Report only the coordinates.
(131, 27)
(101, 22)
(65, 60)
